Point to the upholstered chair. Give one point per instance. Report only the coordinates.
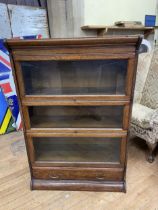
(144, 122)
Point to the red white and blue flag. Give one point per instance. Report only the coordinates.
(7, 82)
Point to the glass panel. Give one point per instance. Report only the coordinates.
(77, 149)
(74, 77)
(76, 116)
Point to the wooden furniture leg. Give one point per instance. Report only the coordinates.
(151, 151)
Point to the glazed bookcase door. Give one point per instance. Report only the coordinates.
(77, 150)
(76, 116)
(83, 77)
(81, 151)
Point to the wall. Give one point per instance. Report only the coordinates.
(106, 12)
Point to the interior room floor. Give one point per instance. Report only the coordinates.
(142, 183)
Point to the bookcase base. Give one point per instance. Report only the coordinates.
(71, 185)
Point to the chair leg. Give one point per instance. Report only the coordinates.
(151, 151)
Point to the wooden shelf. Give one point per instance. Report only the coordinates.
(100, 27)
(104, 30)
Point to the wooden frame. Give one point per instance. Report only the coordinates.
(67, 175)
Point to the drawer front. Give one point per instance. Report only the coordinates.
(78, 173)
(76, 116)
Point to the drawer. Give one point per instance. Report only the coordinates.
(109, 174)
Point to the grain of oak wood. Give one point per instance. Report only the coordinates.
(142, 182)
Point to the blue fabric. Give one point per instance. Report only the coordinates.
(3, 106)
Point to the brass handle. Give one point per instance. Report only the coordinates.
(53, 176)
(100, 178)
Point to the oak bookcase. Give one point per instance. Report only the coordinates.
(75, 97)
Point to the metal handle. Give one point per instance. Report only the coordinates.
(100, 178)
(53, 176)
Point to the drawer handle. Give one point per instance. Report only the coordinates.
(53, 177)
(100, 178)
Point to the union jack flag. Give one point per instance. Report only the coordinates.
(7, 82)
